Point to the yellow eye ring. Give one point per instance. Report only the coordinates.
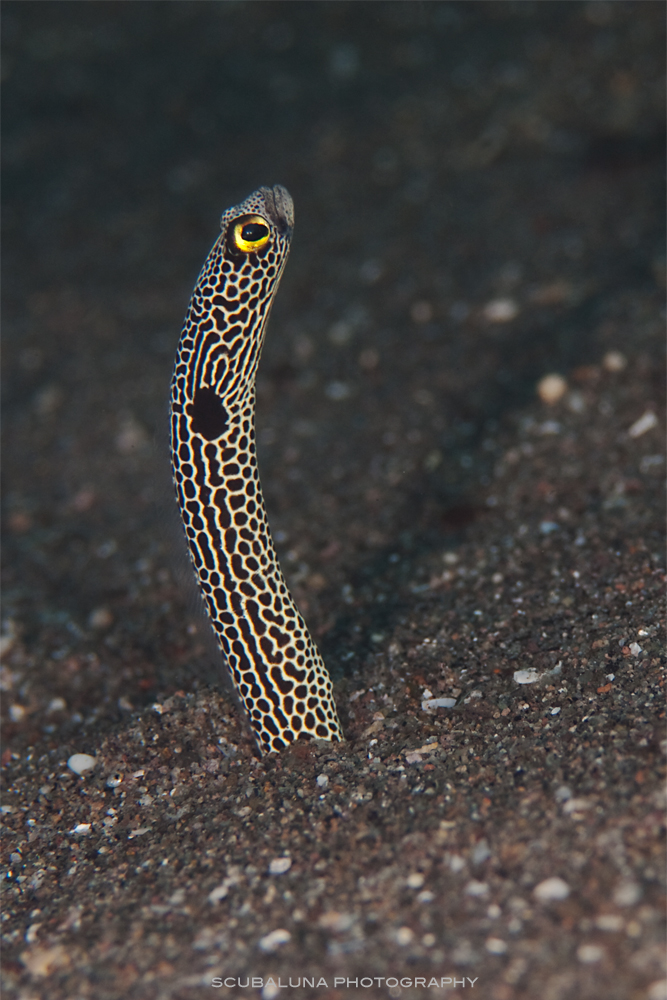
(250, 233)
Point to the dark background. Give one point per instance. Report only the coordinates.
(441, 153)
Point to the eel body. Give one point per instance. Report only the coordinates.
(275, 666)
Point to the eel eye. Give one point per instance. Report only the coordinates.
(250, 233)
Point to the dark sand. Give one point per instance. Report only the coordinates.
(479, 194)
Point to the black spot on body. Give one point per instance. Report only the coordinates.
(208, 416)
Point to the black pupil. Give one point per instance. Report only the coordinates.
(254, 231)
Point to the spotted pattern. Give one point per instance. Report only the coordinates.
(276, 668)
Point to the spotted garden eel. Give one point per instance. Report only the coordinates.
(276, 668)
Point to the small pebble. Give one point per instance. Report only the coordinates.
(332, 920)
(340, 333)
(279, 866)
(404, 935)
(415, 881)
(552, 294)
(475, 888)
(614, 361)
(7, 641)
(106, 549)
(337, 390)
(650, 462)
(480, 852)
(551, 388)
(576, 402)
(371, 271)
(609, 922)
(644, 424)
(627, 893)
(496, 946)
(590, 953)
(32, 933)
(323, 780)
(500, 311)
(44, 961)
(81, 762)
(421, 312)
(16, 713)
(132, 437)
(576, 806)
(551, 890)
(657, 990)
(48, 400)
(423, 397)
(271, 942)
(100, 618)
(369, 359)
(83, 500)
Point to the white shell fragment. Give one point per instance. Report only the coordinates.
(644, 424)
(220, 892)
(429, 704)
(333, 920)
(82, 829)
(81, 762)
(274, 940)
(551, 890)
(279, 866)
(526, 676)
